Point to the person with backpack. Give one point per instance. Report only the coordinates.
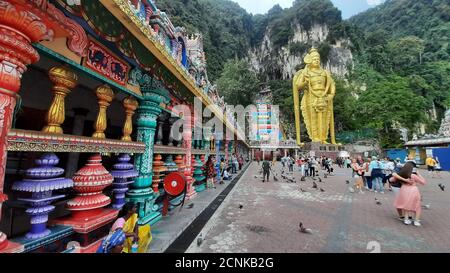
(396, 183)
(312, 167)
(306, 167)
(389, 168)
(376, 168)
(266, 170)
(329, 165)
(291, 164)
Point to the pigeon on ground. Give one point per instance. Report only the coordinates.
(199, 240)
(304, 230)
(378, 202)
(303, 179)
(322, 190)
(347, 182)
(255, 176)
(442, 187)
(302, 190)
(426, 206)
(241, 206)
(314, 185)
(191, 206)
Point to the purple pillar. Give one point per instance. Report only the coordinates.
(122, 172)
(39, 183)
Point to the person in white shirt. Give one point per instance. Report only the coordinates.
(389, 168)
(226, 175)
(437, 169)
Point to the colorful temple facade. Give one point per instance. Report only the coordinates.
(265, 127)
(266, 131)
(437, 145)
(89, 92)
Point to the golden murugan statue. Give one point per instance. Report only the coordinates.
(317, 103)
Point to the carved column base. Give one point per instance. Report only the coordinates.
(3, 241)
(8, 246)
(191, 193)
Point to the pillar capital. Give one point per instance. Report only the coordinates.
(18, 29)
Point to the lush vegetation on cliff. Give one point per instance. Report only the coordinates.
(401, 71)
(404, 65)
(225, 26)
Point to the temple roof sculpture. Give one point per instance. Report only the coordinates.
(441, 138)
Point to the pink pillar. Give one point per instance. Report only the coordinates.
(187, 145)
(227, 142)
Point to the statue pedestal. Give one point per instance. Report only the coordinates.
(317, 149)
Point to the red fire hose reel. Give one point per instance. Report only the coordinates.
(174, 185)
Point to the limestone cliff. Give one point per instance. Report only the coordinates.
(282, 62)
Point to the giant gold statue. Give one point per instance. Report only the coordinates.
(317, 103)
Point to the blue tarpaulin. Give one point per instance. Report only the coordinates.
(397, 153)
(443, 154)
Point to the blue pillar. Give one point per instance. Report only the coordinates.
(141, 191)
(218, 158)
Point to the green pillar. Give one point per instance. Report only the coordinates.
(141, 191)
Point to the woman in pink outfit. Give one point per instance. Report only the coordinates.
(409, 197)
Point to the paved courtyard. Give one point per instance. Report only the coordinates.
(340, 221)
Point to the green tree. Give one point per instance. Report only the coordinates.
(238, 83)
(406, 51)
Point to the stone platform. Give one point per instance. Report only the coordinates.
(329, 150)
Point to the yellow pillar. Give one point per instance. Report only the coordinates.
(64, 80)
(130, 105)
(105, 96)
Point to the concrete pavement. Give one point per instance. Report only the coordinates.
(340, 221)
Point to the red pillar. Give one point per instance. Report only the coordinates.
(19, 27)
(235, 145)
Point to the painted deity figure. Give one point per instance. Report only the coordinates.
(318, 89)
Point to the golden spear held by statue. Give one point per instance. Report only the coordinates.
(297, 107)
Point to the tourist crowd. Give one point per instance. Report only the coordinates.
(374, 175)
(381, 175)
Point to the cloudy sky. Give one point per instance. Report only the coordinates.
(348, 7)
